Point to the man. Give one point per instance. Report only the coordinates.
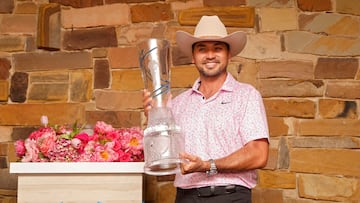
(223, 121)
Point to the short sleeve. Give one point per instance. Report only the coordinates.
(254, 122)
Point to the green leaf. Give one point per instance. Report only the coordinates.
(66, 136)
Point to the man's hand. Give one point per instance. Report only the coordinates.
(192, 164)
(147, 100)
(253, 155)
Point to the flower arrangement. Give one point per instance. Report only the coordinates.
(76, 144)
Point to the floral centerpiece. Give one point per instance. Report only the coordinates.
(103, 143)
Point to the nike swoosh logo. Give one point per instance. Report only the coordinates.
(225, 102)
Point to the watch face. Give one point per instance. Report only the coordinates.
(213, 172)
(213, 169)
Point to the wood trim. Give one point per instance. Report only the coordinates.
(230, 16)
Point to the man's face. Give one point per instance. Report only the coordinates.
(211, 58)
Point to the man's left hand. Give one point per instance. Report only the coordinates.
(192, 164)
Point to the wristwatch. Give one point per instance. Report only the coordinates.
(213, 169)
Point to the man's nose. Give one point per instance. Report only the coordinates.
(210, 54)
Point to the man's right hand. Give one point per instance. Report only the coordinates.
(147, 100)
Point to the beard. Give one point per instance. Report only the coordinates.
(212, 72)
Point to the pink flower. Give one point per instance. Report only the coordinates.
(87, 155)
(32, 152)
(39, 133)
(76, 143)
(63, 144)
(132, 140)
(94, 137)
(63, 151)
(124, 157)
(117, 145)
(102, 128)
(113, 135)
(63, 130)
(90, 147)
(105, 153)
(47, 142)
(20, 148)
(83, 137)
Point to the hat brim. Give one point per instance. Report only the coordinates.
(235, 40)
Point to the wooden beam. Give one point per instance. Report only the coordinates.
(231, 16)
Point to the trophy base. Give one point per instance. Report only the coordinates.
(163, 167)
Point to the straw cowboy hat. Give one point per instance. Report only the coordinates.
(210, 28)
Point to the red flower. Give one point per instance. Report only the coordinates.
(20, 148)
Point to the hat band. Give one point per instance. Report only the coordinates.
(209, 37)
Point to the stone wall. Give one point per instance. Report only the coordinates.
(77, 60)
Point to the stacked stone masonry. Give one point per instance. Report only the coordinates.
(66, 58)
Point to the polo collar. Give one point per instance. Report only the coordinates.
(228, 85)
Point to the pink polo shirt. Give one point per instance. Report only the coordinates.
(217, 126)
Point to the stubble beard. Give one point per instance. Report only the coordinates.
(203, 71)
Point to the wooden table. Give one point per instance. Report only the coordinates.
(79, 182)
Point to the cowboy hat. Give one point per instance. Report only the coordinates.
(210, 28)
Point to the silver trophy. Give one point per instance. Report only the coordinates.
(163, 140)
